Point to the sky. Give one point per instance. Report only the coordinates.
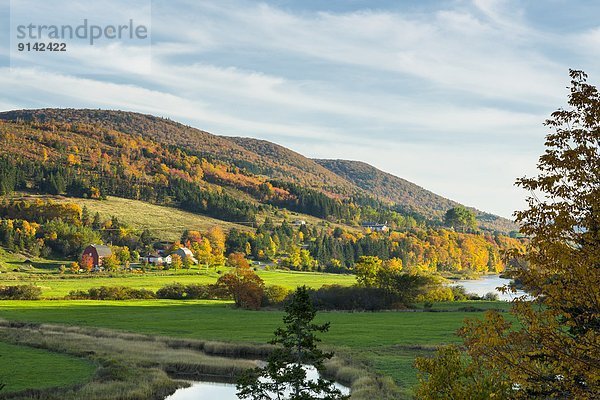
(450, 95)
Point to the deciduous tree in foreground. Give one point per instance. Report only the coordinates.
(554, 349)
(284, 376)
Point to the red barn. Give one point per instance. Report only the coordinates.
(97, 252)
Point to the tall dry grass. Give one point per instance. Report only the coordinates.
(135, 366)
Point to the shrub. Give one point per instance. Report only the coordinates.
(175, 291)
(21, 292)
(178, 291)
(437, 294)
(112, 293)
(275, 294)
(459, 293)
(336, 297)
(491, 296)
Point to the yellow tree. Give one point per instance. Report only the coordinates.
(366, 269)
(203, 251)
(216, 237)
(554, 350)
(176, 261)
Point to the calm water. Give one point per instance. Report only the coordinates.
(486, 284)
(226, 391)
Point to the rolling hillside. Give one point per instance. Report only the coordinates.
(238, 164)
(410, 196)
(258, 157)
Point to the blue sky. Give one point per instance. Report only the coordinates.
(450, 95)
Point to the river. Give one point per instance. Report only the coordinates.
(486, 284)
(200, 390)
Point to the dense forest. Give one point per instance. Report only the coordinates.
(88, 161)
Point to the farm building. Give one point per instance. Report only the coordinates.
(375, 227)
(184, 252)
(156, 259)
(98, 252)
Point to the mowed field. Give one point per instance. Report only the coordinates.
(385, 342)
(57, 286)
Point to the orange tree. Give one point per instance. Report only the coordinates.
(554, 349)
(242, 283)
(87, 262)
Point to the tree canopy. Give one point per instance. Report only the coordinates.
(554, 350)
(460, 218)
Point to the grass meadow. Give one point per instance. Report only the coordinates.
(57, 286)
(28, 368)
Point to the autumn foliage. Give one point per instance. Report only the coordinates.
(554, 349)
(243, 284)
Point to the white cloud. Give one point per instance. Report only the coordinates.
(456, 49)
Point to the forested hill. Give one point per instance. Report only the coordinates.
(407, 194)
(389, 187)
(261, 160)
(146, 157)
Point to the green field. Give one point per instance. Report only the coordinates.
(385, 342)
(57, 286)
(27, 368)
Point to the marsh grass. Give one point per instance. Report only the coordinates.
(135, 366)
(131, 366)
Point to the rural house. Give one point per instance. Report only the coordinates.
(156, 259)
(375, 227)
(184, 252)
(98, 252)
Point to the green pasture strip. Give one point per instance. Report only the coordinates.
(28, 368)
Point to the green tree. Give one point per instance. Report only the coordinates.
(367, 268)
(96, 222)
(284, 377)
(554, 349)
(187, 262)
(460, 218)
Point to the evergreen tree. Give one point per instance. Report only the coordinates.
(284, 377)
(96, 223)
(85, 216)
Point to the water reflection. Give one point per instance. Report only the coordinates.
(227, 391)
(486, 284)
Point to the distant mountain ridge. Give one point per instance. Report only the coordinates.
(336, 178)
(410, 196)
